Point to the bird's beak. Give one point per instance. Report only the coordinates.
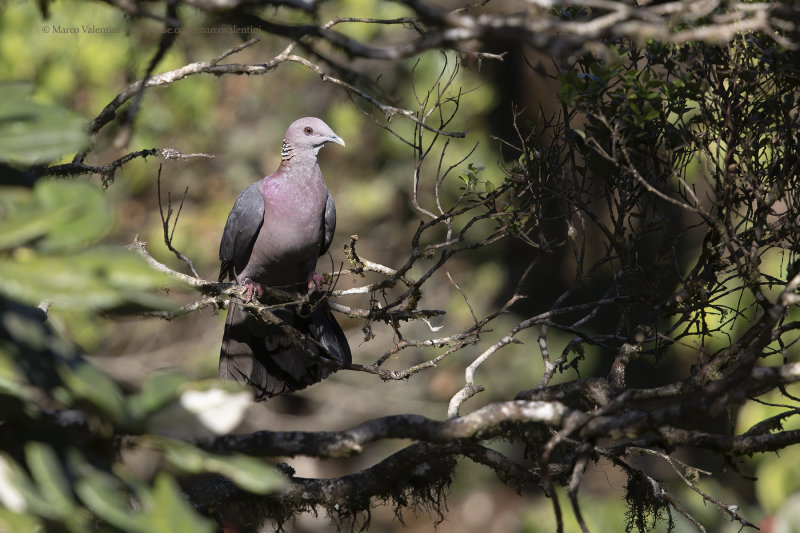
(336, 139)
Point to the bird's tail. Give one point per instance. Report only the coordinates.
(284, 357)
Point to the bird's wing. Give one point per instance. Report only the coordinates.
(241, 230)
(328, 224)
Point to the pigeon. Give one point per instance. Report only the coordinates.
(274, 234)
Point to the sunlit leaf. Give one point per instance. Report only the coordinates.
(11, 521)
(53, 216)
(31, 132)
(90, 217)
(101, 278)
(23, 222)
(250, 473)
(18, 492)
(13, 485)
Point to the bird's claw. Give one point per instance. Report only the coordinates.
(315, 282)
(252, 287)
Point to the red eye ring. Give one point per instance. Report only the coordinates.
(308, 130)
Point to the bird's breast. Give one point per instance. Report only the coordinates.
(289, 242)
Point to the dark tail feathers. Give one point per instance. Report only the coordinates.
(277, 359)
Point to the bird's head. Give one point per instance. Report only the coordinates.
(306, 136)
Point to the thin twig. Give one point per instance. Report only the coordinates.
(168, 235)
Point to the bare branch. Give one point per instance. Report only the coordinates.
(107, 171)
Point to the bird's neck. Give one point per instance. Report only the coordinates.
(288, 153)
(298, 167)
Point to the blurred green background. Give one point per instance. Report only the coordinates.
(241, 121)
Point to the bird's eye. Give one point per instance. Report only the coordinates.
(308, 130)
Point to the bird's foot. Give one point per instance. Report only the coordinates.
(251, 287)
(315, 282)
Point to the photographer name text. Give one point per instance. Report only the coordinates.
(83, 28)
(92, 29)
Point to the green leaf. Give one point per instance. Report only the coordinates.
(171, 512)
(53, 485)
(250, 473)
(16, 489)
(84, 382)
(18, 493)
(102, 494)
(126, 270)
(102, 278)
(31, 132)
(60, 217)
(86, 224)
(49, 476)
(567, 94)
(649, 113)
(54, 216)
(157, 391)
(13, 381)
(11, 521)
(163, 507)
(23, 222)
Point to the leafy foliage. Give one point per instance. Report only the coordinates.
(60, 468)
(45, 232)
(31, 132)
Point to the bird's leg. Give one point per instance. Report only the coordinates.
(315, 282)
(252, 287)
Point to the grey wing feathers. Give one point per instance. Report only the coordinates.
(329, 224)
(241, 229)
